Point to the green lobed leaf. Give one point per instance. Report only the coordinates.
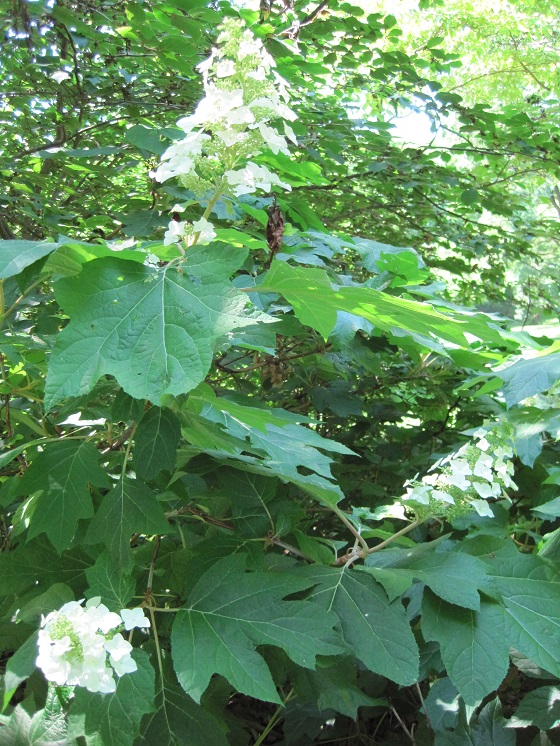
(105, 580)
(45, 727)
(282, 447)
(177, 719)
(229, 612)
(529, 377)
(333, 687)
(316, 304)
(130, 507)
(453, 577)
(19, 667)
(60, 475)
(37, 564)
(375, 629)
(490, 726)
(308, 290)
(530, 591)
(474, 644)
(155, 443)
(114, 719)
(539, 708)
(16, 255)
(153, 329)
(249, 495)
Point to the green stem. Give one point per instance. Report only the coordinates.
(158, 647)
(402, 532)
(4, 315)
(182, 535)
(127, 451)
(273, 720)
(351, 528)
(217, 194)
(159, 608)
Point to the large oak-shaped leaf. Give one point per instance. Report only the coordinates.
(60, 475)
(282, 447)
(177, 719)
(153, 329)
(374, 628)
(474, 644)
(229, 612)
(129, 507)
(316, 304)
(454, 577)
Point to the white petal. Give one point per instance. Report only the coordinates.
(135, 617)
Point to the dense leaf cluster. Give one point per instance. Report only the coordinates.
(222, 435)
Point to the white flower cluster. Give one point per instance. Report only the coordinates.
(81, 646)
(466, 479)
(184, 231)
(231, 124)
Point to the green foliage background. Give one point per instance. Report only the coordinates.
(226, 443)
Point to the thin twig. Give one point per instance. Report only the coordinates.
(402, 724)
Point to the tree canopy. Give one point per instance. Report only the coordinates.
(279, 373)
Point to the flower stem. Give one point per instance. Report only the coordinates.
(402, 532)
(217, 194)
(127, 452)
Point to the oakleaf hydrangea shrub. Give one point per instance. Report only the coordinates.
(232, 124)
(469, 479)
(84, 646)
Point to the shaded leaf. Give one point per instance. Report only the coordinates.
(540, 708)
(474, 644)
(230, 612)
(60, 475)
(489, 727)
(334, 688)
(178, 720)
(249, 495)
(441, 705)
(52, 598)
(454, 577)
(115, 588)
(19, 667)
(155, 443)
(37, 564)
(130, 507)
(376, 630)
(114, 719)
